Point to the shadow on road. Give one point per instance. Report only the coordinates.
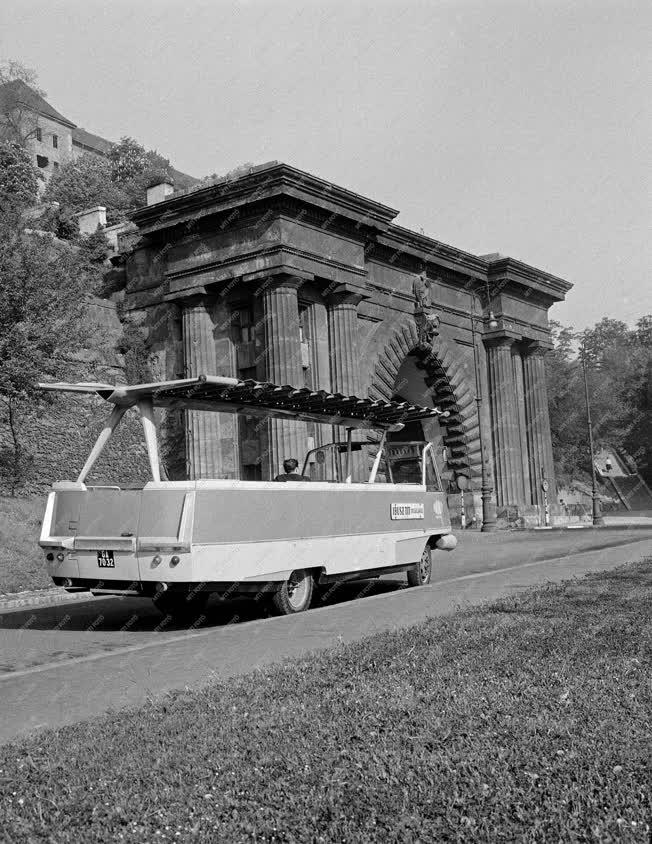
(138, 615)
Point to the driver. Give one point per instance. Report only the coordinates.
(291, 474)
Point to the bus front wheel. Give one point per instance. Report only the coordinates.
(421, 572)
(295, 594)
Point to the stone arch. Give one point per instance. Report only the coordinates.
(444, 373)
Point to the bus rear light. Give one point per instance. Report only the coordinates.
(157, 560)
(61, 557)
(175, 560)
(49, 557)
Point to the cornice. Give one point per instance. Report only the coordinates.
(527, 328)
(266, 252)
(505, 269)
(277, 184)
(433, 251)
(262, 183)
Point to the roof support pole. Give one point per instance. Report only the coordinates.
(349, 438)
(146, 410)
(109, 427)
(377, 459)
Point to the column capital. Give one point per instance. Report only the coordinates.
(281, 282)
(191, 299)
(345, 294)
(500, 338)
(536, 348)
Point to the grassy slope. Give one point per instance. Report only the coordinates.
(21, 560)
(526, 719)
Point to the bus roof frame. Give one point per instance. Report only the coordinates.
(258, 398)
(231, 395)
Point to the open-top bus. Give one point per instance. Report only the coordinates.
(179, 541)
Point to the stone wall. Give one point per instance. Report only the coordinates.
(58, 434)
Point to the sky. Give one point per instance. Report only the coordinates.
(514, 126)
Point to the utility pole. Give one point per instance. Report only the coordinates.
(598, 520)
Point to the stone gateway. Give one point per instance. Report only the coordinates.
(280, 276)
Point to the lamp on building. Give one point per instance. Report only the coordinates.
(598, 520)
(486, 488)
(492, 324)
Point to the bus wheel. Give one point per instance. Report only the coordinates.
(295, 594)
(421, 572)
(181, 606)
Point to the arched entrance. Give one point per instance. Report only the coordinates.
(432, 376)
(410, 385)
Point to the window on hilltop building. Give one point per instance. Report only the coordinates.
(39, 134)
(42, 161)
(55, 141)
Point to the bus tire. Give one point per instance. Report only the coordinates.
(181, 606)
(295, 595)
(420, 573)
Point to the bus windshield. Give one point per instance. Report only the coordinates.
(400, 463)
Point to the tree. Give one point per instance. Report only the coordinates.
(134, 169)
(229, 176)
(18, 178)
(619, 374)
(119, 182)
(87, 182)
(18, 118)
(43, 290)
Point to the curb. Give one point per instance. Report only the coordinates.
(42, 597)
(589, 526)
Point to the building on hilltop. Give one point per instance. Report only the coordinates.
(51, 138)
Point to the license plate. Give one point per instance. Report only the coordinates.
(105, 559)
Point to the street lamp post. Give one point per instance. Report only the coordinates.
(486, 489)
(598, 520)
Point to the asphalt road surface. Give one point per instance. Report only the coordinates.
(64, 663)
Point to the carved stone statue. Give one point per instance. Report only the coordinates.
(425, 316)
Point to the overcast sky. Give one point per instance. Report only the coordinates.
(520, 127)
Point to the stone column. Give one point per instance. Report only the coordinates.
(202, 427)
(504, 421)
(345, 362)
(517, 362)
(283, 366)
(316, 318)
(537, 417)
(343, 342)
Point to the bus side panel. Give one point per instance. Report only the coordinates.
(67, 507)
(110, 512)
(255, 561)
(297, 511)
(160, 513)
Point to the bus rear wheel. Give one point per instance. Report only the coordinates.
(295, 595)
(421, 572)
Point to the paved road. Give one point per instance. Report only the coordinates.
(61, 664)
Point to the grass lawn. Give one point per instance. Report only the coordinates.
(21, 560)
(527, 719)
